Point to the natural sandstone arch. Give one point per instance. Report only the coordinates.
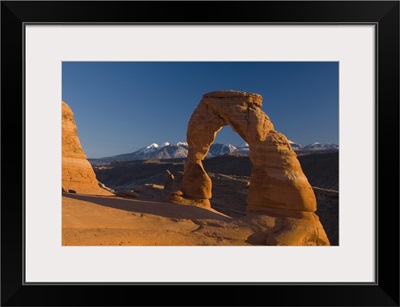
(277, 180)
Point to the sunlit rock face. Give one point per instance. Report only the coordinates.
(77, 173)
(278, 185)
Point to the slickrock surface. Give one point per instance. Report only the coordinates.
(77, 173)
(93, 220)
(277, 183)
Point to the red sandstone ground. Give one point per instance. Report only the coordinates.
(104, 220)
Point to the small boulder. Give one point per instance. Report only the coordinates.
(169, 180)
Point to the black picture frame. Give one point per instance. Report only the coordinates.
(383, 14)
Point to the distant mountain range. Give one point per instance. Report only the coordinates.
(179, 150)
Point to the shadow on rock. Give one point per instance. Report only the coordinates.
(168, 210)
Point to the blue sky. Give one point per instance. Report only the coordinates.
(120, 107)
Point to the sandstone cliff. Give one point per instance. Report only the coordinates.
(77, 173)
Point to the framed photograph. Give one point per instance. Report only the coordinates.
(82, 80)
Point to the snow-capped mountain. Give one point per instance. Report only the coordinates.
(148, 149)
(320, 146)
(165, 151)
(165, 144)
(183, 144)
(180, 150)
(170, 151)
(295, 146)
(217, 149)
(143, 153)
(243, 149)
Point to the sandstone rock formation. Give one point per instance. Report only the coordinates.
(278, 185)
(169, 180)
(77, 172)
